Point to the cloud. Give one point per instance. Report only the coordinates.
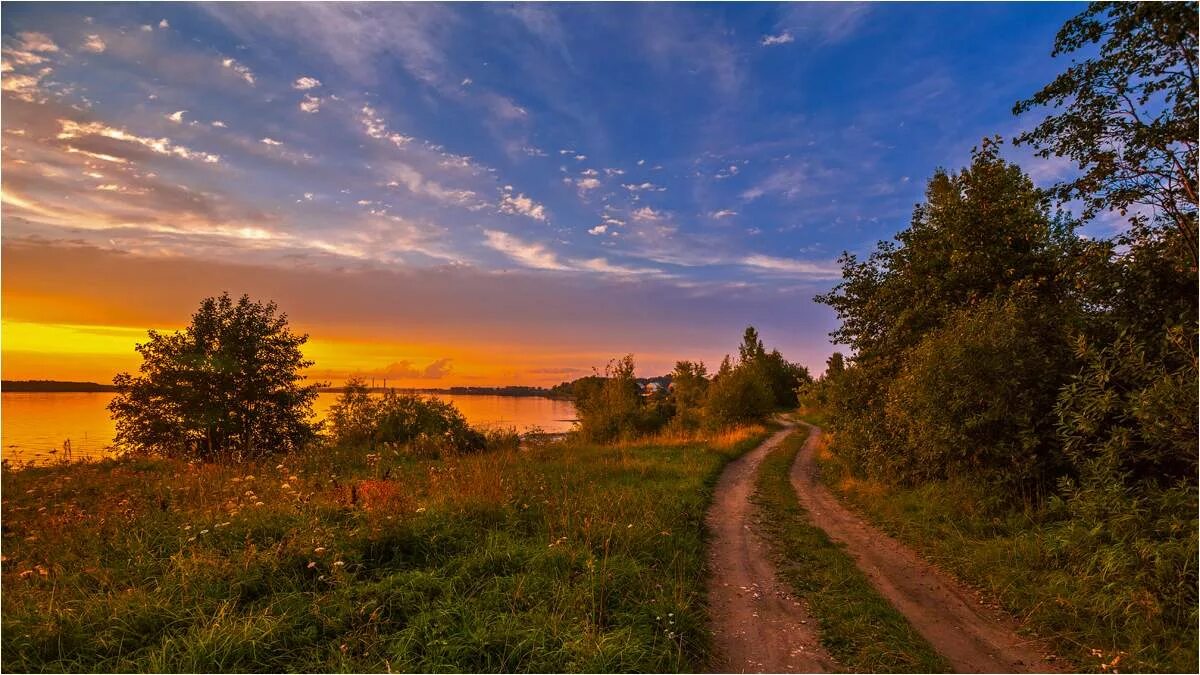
(647, 214)
(376, 128)
(241, 69)
(599, 229)
(792, 267)
(405, 175)
(304, 83)
(780, 39)
(70, 129)
(519, 204)
(643, 187)
(219, 124)
(723, 213)
(177, 116)
(405, 370)
(164, 24)
(270, 141)
(35, 42)
(310, 104)
(585, 184)
(532, 255)
(94, 44)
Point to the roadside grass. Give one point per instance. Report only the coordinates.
(1080, 587)
(561, 557)
(859, 628)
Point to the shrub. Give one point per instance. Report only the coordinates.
(737, 395)
(611, 408)
(427, 427)
(229, 386)
(975, 397)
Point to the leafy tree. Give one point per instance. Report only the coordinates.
(353, 418)
(985, 234)
(1128, 115)
(689, 388)
(610, 408)
(229, 386)
(973, 398)
(424, 426)
(737, 395)
(835, 365)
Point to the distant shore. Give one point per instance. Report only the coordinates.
(58, 386)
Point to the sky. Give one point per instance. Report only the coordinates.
(481, 194)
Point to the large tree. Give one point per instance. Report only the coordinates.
(228, 387)
(1127, 115)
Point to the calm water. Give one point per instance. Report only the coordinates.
(34, 426)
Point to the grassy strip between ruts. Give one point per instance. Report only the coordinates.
(861, 630)
(565, 557)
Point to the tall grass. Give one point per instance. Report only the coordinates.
(1088, 589)
(560, 557)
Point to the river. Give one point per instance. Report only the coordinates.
(33, 427)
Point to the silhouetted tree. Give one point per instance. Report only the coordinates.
(229, 386)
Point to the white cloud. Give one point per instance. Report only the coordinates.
(781, 39)
(308, 196)
(533, 255)
(614, 172)
(599, 229)
(177, 116)
(792, 267)
(270, 141)
(519, 204)
(408, 177)
(219, 123)
(643, 187)
(164, 24)
(585, 184)
(94, 44)
(163, 146)
(647, 214)
(377, 128)
(306, 82)
(589, 172)
(35, 42)
(467, 82)
(147, 28)
(240, 69)
(533, 152)
(310, 104)
(723, 213)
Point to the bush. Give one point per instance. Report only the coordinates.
(612, 408)
(427, 427)
(229, 386)
(737, 395)
(975, 398)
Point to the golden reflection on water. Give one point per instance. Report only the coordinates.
(33, 427)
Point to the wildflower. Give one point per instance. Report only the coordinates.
(421, 509)
(258, 503)
(319, 550)
(311, 564)
(338, 563)
(203, 531)
(285, 486)
(280, 466)
(292, 478)
(248, 478)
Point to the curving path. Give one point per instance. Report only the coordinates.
(758, 626)
(945, 613)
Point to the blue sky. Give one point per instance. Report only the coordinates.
(664, 173)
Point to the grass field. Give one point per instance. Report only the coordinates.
(859, 628)
(1093, 594)
(564, 557)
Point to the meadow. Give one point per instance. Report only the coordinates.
(564, 556)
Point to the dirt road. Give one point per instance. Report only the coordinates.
(758, 625)
(972, 640)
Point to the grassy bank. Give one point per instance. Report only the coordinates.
(1086, 590)
(861, 630)
(566, 557)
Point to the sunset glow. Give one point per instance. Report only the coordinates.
(444, 197)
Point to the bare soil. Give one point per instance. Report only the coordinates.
(973, 638)
(758, 625)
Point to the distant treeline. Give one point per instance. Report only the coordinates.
(56, 386)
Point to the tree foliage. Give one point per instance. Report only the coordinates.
(405, 422)
(1127, 116)
(229, 386)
